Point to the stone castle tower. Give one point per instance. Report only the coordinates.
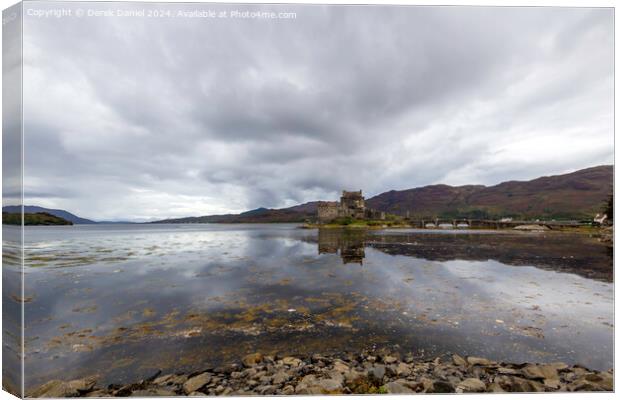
(352, 204)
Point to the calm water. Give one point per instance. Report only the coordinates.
(120, 301)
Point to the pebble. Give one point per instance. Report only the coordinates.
(357, 374)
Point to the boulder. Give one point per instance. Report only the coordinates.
(54, 388)
(441, 386)
(156, 392)
(542, 371)
(397, 388)
(495, 387)
(292, 361)
(280, 377)
(252, 359)
(162, 380)
(376, 373)
(100, 393)
(390, 359)
(341, 367)
(403, 369)
(57, 388)
(196, 383)
(458, 360)
(471, 385)
(524, 385)
(330, 386)
(479, 361)
(287, 390)
(508, 371)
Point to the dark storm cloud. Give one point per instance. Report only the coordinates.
(143, 118)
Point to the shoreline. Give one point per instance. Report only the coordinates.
(376, 372)
(528, 228)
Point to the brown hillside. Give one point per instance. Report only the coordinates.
(578, 194)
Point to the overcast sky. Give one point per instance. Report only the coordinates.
(147, 118)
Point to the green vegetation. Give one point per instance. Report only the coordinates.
(41, 218)
(348, 222)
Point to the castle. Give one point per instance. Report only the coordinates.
(351, 205)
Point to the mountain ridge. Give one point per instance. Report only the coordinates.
(575, 195)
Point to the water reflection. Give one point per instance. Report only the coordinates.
(119, 301)
(350, 244)
(585, 256)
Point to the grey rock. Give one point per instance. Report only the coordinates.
(280, 377)
(377, 373)
(330, 386)
(397, 388)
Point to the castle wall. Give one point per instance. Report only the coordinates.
(328, 210)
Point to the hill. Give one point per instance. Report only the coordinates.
(579, 194)
(576, 195)
(40, 218)
(299, 213)
(58, 213)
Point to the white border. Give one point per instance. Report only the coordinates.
(504, 3)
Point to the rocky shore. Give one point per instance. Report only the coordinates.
(369, 373)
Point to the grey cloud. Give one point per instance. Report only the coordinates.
(161, 118)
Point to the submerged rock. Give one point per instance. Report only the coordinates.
(56, 388)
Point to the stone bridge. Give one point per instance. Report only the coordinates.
(489, 224)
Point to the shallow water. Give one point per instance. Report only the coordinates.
(120, 301)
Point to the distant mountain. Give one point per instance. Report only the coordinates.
(579, 194)
(40, 218)
(58, 213)
(299, 213)
(576, 195)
